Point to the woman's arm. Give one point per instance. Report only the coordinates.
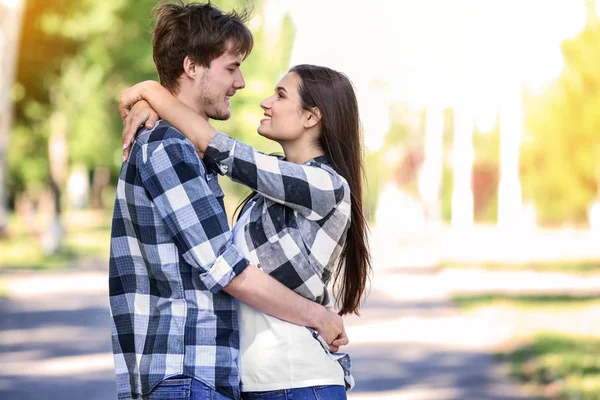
(313, 190)
(186, 120)
(310, 190)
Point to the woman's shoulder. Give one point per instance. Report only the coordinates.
(324, 163)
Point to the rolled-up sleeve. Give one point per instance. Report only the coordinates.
(312, 191)
(175, 179)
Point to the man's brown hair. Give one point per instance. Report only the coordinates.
(198, 30)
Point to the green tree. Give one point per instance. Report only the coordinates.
(70, 44)
(560, 160)
(85, 53)
(39, 64)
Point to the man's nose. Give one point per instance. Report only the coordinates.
(239, 82)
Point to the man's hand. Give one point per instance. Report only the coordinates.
(141, 113)
(331, 328)
(257, 289)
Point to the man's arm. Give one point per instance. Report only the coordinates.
(174, 178)
(261, 291)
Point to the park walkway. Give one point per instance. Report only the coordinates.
(54, 341)
(408, 343)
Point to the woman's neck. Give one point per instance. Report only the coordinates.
(300, 152)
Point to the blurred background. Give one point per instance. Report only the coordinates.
(481, 122)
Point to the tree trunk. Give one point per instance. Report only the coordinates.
(510, 211)
(54, 233)
(430, 176)
(10, 29)
(100, 181)
(58, 157)
(463, 156)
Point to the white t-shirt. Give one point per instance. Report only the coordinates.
(275, 354)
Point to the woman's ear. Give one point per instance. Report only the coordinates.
(313, 118)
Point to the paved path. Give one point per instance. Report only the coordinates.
(407, 344)
(54, 338)
(411, 344)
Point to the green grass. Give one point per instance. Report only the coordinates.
(3, 290)
(87, 236)
(469, 302)
(574, 267)
(558, 367)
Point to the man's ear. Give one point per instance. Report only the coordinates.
(313, 118)
(190, 67)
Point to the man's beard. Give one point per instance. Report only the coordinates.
(214, 112)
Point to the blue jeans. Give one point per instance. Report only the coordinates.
(183, 388)
(329, 392)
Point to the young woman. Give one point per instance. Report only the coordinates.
(303, 224)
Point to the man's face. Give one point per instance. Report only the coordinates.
(217, 84)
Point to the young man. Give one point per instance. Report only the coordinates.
(173, 269)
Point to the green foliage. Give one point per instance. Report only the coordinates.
(558, 367)
(525, 301)
(560, 160)
(446, 192)
(27, 172)
(263, 68)
(86, 243)
(378, 173)
(77, 56)
(67, 43)
(571, 267)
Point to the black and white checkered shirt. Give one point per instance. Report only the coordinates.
(170, 257)
(300, 217)
(298, 222)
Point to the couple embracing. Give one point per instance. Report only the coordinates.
(202, 311)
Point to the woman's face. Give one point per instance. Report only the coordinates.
(284, 119)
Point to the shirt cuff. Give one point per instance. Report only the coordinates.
(219, 153)
(226, 267)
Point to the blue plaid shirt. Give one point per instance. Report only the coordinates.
(170, 258)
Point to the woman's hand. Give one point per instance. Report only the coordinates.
(134, 94)
(331, 328)
(341, 340)
(141, 113)
(162, 102)
(135, 112)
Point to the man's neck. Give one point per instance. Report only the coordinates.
(189, 101)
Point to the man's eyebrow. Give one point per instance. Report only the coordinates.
(235, 63)
(280, 88)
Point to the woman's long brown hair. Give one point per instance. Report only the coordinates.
(333, 94)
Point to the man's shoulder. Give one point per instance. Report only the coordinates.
(164, 135)
(169, 137)
(161, 131)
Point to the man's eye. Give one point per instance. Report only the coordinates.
(279, 95)
(232, 70)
